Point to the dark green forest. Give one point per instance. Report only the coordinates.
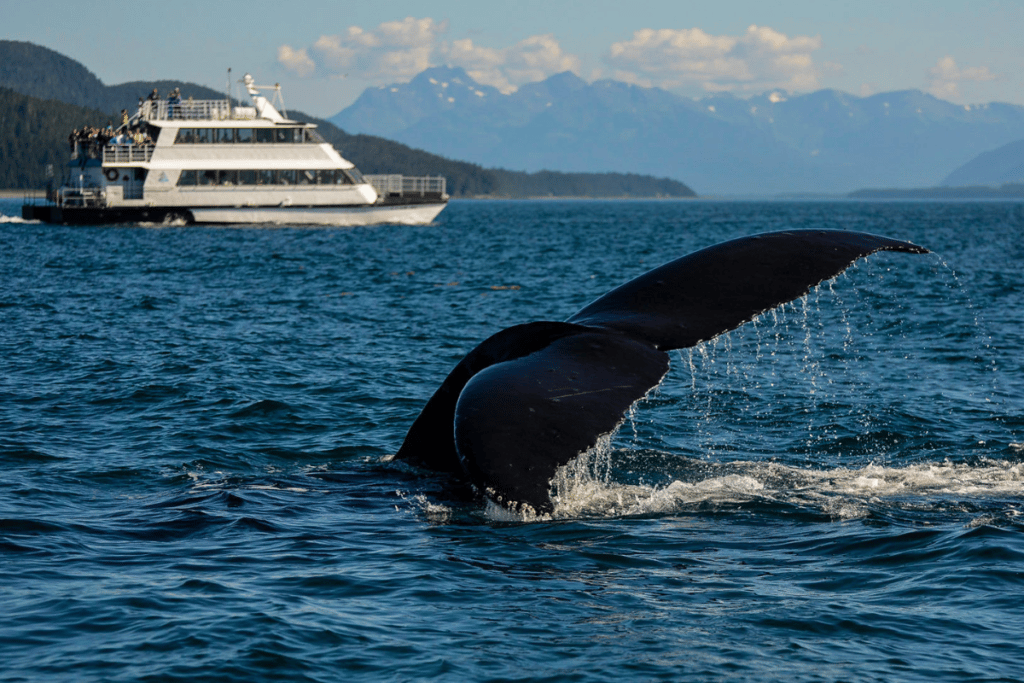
(34, 134)
(44, 95)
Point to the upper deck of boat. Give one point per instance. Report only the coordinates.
(219, 113)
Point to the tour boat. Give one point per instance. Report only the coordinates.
(206, 161)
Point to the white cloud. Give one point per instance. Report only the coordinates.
(398, 50)
(760, 59)
(296, 61)
(395, 49)
(946, 77)
(529, 60)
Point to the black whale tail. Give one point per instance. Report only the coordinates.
(531, 398)
(714, 290)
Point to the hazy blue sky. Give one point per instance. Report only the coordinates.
(325, 53)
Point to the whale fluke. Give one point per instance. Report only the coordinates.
(532, 397)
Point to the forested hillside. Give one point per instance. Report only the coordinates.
(34, 134)
(377, 155)
(47, 75)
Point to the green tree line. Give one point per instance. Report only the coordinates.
(34, 135)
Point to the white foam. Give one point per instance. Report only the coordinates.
(435, 513)
(16, 219)
(584, 489)
(170, 223)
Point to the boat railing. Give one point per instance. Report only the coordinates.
(127, 154)
(81, 197)
(402, 185)
(160, 110)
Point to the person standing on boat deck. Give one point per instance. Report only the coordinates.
(173, 100)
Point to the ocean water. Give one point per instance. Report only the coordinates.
(197, 423)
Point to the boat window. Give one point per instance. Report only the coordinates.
(225, 134)
(313, 136)
(354, 176)
(202, 136)
(185, 136)
(264, 135)
(190, 177)
(243, 135)
(284, 135)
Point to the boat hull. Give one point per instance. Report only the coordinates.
(344, 216)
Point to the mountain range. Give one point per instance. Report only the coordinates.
(1002, 166)
(822, 142)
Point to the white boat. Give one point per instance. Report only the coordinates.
(205, 161)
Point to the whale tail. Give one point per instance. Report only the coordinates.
(532, 397)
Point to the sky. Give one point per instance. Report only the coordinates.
(325, 53)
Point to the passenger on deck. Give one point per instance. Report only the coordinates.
(173, 100)
(151, 104)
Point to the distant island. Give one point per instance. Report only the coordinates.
(1007, 191)
(44, 95)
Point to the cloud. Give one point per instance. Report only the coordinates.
(760, 59)
(395, 49)
(945, 78)
(529, 60)
(398, 50)
(296, 61)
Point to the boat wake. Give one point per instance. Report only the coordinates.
(16, 219)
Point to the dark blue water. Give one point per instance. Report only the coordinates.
(196, 424)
